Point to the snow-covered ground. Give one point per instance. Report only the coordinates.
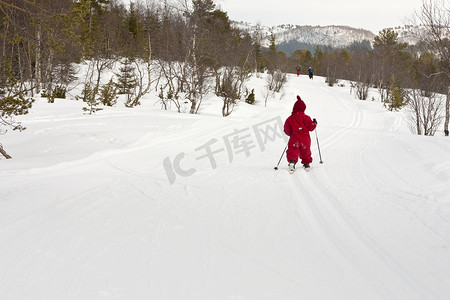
(150, 204)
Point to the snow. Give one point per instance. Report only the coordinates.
(332, 35)
(129, 204)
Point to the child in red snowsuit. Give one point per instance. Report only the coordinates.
(297, 127)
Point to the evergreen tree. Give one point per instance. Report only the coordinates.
(318, 58)
(390, 57)
(386, 38)
(271, 56)
(89, 95)
(397, 95)
(89, 15)
(13, 99)
(108, 94)
(126, 78)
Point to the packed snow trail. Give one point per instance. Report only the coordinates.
(88, 211)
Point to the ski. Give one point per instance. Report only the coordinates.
(293, 171)
(291, 167)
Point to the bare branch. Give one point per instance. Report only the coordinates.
(2, 151)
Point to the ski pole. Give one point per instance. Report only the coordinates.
(282, 154)
(315, 130)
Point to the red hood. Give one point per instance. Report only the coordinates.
(299, 106)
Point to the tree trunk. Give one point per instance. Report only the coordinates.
(30, 68)
(48, 72)
(4, 39)
(19, 61)
(193, 104)
(225, 108)
(38, 60)
(194, 80)
(4, 153)
(447, 112)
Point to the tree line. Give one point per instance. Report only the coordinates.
(185, 49)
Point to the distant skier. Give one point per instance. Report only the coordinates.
(310, 72)
(298, 70)
(297, 126)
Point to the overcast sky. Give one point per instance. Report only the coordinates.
(373, 15)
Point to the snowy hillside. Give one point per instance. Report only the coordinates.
(410, 34)
(150, 204)
(335, 36)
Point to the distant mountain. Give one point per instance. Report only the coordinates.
(409, 34)
(333, 36)
(292, 37)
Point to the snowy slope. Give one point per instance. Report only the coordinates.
(332, 35)
(129, 204)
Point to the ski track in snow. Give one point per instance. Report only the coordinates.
(332, 225)
(101, 221)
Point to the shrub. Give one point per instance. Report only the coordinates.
(108, 94)
(250, 98)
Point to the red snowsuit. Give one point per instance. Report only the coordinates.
(297, 126)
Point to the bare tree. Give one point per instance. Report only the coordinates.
(233, 65)
(196, 73)
(204, 25)
(361, 74)
(434, 22)
(170, 83)
(276, 80)
(331, 63)
(425, 112)
(171, 47)
(361, 87)
(229, 90)
(142, 71)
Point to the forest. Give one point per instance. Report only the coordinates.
(186, 49)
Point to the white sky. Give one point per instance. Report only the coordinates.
(373, 15)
